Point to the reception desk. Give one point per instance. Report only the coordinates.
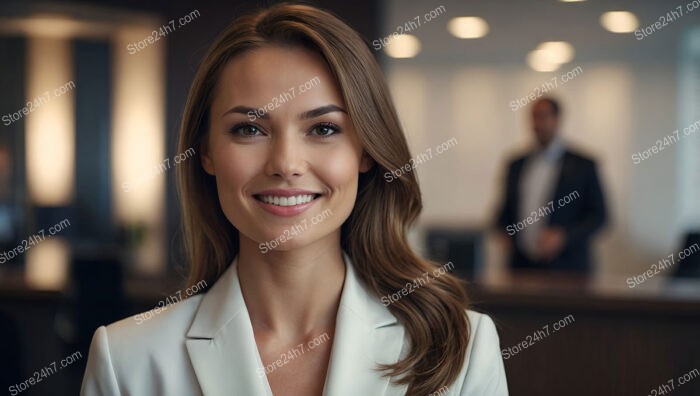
(559, 335)
(566, 335)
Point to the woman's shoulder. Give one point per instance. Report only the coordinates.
(483, 372)
(161, 324)
(483, 336)
(478, 317)
(143, 353)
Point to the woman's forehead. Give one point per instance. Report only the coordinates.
(255, 78)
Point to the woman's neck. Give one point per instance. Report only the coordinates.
(292, 294)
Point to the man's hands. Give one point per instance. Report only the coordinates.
(551, 242)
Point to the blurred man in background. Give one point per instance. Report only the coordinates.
(553, 201)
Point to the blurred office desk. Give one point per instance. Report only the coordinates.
(567, 335)
(47, 322)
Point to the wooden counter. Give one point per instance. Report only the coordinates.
(617, 340)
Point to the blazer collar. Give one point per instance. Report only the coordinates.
(221, 343)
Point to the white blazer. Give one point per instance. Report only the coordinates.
(205, 345)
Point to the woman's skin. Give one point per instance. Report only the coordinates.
(292, 291)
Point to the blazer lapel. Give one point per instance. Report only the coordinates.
(366, 334)
(222, 349)
(221, 343)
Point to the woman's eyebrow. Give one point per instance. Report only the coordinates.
(245, 110)
(319, 111)
(313, 113)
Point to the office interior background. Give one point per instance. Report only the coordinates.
(90, 114)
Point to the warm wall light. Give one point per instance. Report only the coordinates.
(468, 27)
(539, 60)
(47, 264)
(52, 25)
(619, 21)
(404, 46)
(558, 51)
(138, 142)
(50, 123)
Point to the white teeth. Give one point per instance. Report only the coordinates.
(286, 201)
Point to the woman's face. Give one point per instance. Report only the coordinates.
(282, 148)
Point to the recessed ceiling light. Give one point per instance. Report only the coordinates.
(468, 27)
(404, 46)
(540, 60)
(558, 51)
(619, 21)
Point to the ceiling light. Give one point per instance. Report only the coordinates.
(558, 51)
(468, 27)
(404, 46)
(619, 21)
(539, 60)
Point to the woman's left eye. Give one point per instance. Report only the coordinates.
(325, 130)
(246, 130)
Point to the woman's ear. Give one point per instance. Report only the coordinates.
(366, 162)
(207, 162)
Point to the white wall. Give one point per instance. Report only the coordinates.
(612, 110)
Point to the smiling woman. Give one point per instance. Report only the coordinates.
(324, 151)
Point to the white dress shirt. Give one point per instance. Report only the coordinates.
(540, 175)
(205, 345)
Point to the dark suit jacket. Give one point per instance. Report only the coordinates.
(581, 217)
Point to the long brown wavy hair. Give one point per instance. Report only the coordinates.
(374, 235)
